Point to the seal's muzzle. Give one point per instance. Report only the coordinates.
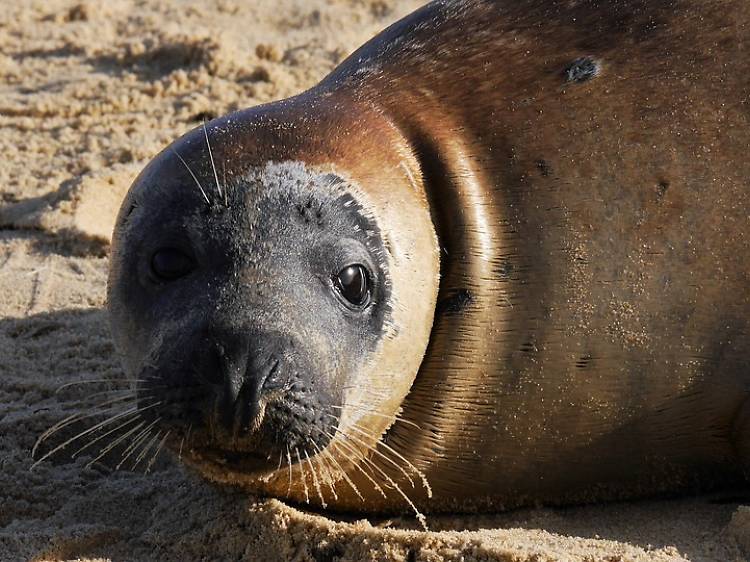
(239, 368)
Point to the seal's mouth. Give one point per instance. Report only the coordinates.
(246, 462)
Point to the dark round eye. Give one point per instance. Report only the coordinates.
(169, 264)
(353, 284)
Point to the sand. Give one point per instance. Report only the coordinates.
(88, 93)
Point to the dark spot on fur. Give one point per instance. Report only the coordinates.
(130, 212)
(388, 244)
(411, 555)
(529, 346)
(456, 302)
(311, 211)
(581, 70)
(203, 116)
(583, 361)
(661, 188)
(543, 167)
(504, 269)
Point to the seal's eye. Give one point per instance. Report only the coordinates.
(353, 284)
(169, 264)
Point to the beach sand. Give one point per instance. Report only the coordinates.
(89, 92)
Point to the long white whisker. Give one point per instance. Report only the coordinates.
(324, 465)
(345, 475)
(358, 466)
(158, 449)
(289, 462)
(145, 449)
(315, 480)
(83, 433)
(211, 157)
(135, 417)
(116, 442)
(78, 416)
(368, 411)
(145, 432)
(304, 479)
(381, 455)
(112, 393)
(193, 175)
(91, 381)
(420, 516)
(422, 477)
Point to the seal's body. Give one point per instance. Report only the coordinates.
(549, 203)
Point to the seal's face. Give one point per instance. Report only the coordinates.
(272, 294)
(250, 310)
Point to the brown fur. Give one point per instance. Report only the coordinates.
(604, 350)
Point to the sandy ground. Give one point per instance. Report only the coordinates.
(88, 93)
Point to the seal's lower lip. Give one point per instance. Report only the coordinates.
(241, 461)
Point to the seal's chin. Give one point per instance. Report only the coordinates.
(244, 462)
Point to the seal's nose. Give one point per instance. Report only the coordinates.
(237, 370)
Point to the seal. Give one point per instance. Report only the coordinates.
(498, 256)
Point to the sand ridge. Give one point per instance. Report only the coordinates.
(89, 91)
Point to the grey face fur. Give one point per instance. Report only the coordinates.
(252, 344)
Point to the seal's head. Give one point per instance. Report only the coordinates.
(261, 306)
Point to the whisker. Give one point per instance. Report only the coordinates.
(119, 396)
(324, 464)
(145, 432)
(211, 157)
(357, 465)
(325, 469)
(304, 479)
(344, 475)
(419, 515)
(57, 427)
(145, 449)
(315, 479)
(375, 451)
(289, 463)
(358, 454)
(158, 449)
(193, 176)
(84, 433)
(103, 435)
(360, 408)
(422, 477)
(114, 443)
(91, 381)
(119, 392)
(78, 416)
